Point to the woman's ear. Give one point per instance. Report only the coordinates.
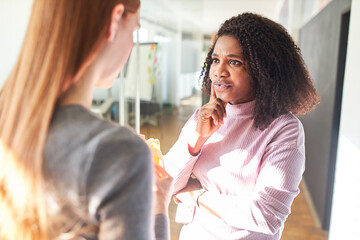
(116, 15)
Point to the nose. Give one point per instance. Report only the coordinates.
(221, 70)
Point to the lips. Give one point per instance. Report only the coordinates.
(221, 86)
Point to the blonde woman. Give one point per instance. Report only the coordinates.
(64, 173)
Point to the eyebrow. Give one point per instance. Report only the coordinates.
(230, 55)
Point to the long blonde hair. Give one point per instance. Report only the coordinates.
(60, 39)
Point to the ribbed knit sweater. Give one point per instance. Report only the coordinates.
(254, 174)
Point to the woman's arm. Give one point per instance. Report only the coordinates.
(180, 160)
(267, 208)
(189, 195)
(119, 188)
(163, 191)
(211, 117)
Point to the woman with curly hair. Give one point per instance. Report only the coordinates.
(240, 158)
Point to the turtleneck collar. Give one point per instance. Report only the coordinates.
(240, 110)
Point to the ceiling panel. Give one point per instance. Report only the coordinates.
(202, 15)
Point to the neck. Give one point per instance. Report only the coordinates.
(80, 93)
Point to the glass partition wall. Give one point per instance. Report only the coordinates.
(163, 69)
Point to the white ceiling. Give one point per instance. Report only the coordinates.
(203, 15)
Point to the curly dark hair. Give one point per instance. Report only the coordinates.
(280, 81)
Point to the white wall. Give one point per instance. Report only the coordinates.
(345, 218)
(14, 15)
(191, 64)
(293, 14)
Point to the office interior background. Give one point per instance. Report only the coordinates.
(164, 69)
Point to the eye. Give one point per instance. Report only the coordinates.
(215, 60)
(235, 62)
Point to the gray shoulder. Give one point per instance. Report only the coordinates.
(121, 162)
(117, 152)
(120, 145)
(80, 144)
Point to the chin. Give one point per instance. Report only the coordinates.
(105, 83)
(222, 97)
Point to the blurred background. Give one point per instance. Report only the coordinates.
(159, 89)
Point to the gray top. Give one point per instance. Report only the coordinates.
(98, 179)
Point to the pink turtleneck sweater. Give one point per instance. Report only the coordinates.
(254, 174)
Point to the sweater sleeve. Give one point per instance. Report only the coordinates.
(119, 188)
(266, 209)
(178, 161)
(162, 227)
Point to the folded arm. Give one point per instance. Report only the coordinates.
(267, 208)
